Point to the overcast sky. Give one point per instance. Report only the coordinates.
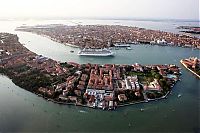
(170, 9)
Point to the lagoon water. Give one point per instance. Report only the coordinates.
(23, 111)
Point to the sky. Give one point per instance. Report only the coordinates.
(158, 9)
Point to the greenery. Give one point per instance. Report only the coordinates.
(139, 74)
(20, 68)
(4, 71)
(65, 64)
(154, 94)
(32, 80)
(148, 77)
(130, 94)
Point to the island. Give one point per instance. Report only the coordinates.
(104, 86)
(190, 29)
(193, 65)
(103, 36)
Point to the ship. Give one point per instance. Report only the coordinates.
(95, 52)
(121, 45)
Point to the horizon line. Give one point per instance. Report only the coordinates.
(100, 18)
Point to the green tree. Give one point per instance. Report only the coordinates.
(150, 79)
(158, 76)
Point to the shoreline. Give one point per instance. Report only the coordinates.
(52, 39)
(47, 99)
(118, 106)
(40, 79)
(74, 36)
(181, 61)
(137, 43)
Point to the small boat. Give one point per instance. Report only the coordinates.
(71, 51)
(82, 111)
(129, 124)
(128, 48)
(179, 95)
(141, 110)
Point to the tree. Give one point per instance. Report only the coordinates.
(162, 82)
(158, 76)
(150, 79)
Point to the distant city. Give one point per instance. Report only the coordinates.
(103, 36)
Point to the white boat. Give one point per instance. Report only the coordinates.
(129, 48)
(121, 45)
(141, 110)
(95, 52)
(82, 111)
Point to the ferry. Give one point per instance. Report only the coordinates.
(95, 52)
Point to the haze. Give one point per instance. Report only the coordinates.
(162, 9)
